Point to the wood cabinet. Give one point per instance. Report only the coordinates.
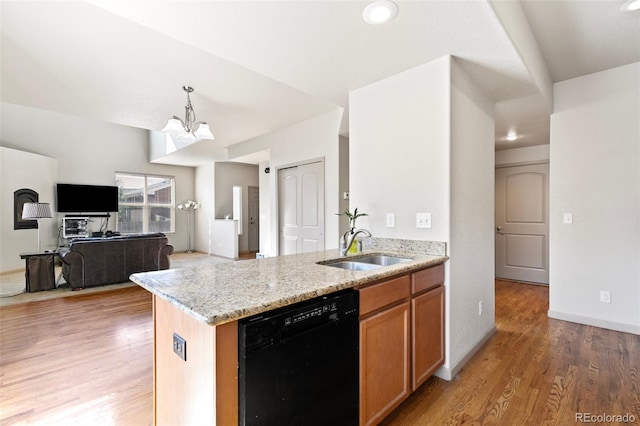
(384, 348)
(401, 339)
(427, 323)
(427, 337)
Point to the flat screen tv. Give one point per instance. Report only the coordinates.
(86, 198)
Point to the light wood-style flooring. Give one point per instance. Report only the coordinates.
(83, 360)
(87, 360)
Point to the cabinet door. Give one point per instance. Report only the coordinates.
(384, 363)
(427, 325)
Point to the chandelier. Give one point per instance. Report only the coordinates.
(188, 130)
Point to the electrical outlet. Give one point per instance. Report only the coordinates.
(423, 220)
(180, 346)
(567, 218)
(391, 220)
(480, 308)
(605, 296)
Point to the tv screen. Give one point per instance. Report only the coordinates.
(86, 198)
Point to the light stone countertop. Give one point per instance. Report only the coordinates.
(224, 292)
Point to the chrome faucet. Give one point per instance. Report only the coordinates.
(347, 239)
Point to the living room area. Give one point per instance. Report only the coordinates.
(44, 154)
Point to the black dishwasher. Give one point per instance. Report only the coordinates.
(299, 365)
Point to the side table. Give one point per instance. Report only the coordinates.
(40, 271)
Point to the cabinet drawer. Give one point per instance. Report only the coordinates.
(427, 278)
(384, 294)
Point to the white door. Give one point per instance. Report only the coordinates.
(522, 224)
(254, 222)
(301, 208)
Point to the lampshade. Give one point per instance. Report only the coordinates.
(174, 127)
(188, 205)
(36, 211)
(203, 132)
(187, 137)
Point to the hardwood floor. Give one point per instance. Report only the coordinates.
(534, 371)
(87, 360)
(84, 360)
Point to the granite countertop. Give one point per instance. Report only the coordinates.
(224, 292)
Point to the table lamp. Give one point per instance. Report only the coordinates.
(36, 211)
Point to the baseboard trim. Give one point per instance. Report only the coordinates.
(11, 271)
(595, 322)
(448, 373)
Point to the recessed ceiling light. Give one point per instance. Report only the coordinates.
(380, 12)
(511, 136)
(630, 5)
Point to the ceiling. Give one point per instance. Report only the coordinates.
(263, 65)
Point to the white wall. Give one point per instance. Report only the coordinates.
(471, 243)
(422, 141)
(39, 177)
(228, 175)
(312, 139)
(205, 178)
(595, 174)
(399, 152)
(90, 152)
(265, 207)
(343, 225)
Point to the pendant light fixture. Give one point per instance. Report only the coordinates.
(188, 130)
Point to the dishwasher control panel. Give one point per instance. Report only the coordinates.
(311, 313)
(269, 327)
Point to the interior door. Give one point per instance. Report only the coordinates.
(254, 222)
(301, 208)
(522, 223)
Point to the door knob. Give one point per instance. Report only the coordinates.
(499, 230)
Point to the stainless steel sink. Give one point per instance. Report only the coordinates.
(382, 260)
(353, 266)
(366, 263)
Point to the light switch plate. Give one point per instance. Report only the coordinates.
(567, 218)
(423, 220)
(391, 220)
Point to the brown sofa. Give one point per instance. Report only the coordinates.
(90, 262)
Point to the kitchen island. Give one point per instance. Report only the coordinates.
(195, 376)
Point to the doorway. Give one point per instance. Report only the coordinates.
(301, 208)
(522, 223)
(254, 222)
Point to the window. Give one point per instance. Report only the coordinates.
(145, 203)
